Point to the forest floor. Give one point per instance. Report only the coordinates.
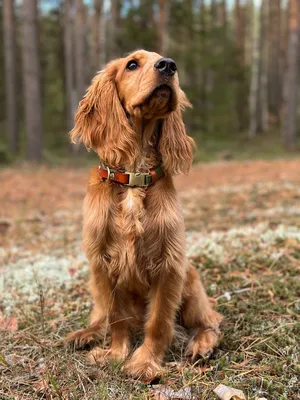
(243, 234)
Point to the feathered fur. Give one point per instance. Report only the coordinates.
(134, 237)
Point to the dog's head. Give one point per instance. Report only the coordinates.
(141, 87)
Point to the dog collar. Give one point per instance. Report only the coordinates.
(139, 179)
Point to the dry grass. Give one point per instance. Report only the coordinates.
(243, 233)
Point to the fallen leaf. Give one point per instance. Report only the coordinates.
(228, 393)
(9, 323)
(72, 271)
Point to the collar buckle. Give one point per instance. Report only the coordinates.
(138, 179)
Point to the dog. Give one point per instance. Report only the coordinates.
(133, 227)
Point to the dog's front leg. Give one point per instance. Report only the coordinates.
(111, 300)
(108, 313)
(165, 297)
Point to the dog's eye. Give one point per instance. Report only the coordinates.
(132, 65)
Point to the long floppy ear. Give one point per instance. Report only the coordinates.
(101, 123)
(175, 147)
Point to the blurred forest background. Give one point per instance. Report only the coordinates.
(238, 62)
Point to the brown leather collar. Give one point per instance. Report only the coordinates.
(140, 179)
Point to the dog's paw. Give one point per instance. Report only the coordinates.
(99, 355)
(212, 319)
(203, 343)
(143, 365)
(83, 338)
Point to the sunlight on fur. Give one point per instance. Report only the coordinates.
(140, 279)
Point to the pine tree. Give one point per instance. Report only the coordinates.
(114, 31)
(163, 18)
(32, 83)
(98, 37)
(274, 67)
(258, 90)
(10, 76)
(69, 64)
(291, 80)
(80, 55)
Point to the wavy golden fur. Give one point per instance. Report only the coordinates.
(131, 116)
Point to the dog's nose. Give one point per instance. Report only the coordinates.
(166, 66)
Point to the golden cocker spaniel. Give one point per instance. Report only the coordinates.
(133, 229)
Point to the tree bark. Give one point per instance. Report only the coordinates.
(274, 68)
(240, 87)
(249, 34)
(10, 76)
(163, 20)
(80, 55)
(222, 11)
(202, 72)
(69, 64)
(98, 35)
(240, 30)
(264, 117)
(213, 12)
(32, 84)
(115, 28)
(254, 88)
(291, 80)
(258, 90)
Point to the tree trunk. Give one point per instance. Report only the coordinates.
(291, 80)
(240, 86)
(240, 30)
(258, 90)
(98, 35)
(69, 64)
(264, 67)
(80, 55)
(285, 16)
(163, 20)
(249, 34)
(147, 19)
(202, 72)
(10, 76)
(115, 28)
(32, 85)
(274, 70)
(213, 12)
(254, 89)
(222, 13)
(202, 19)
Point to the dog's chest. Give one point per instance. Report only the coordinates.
(142, 225)
(127, 230)
(128, 237)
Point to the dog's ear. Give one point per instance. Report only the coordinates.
(101, 123)
(175, 147)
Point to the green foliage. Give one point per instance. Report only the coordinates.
(211, 68)
(137, 27)
(2, 82)
(53, 92)
(5, 157)
(240, 147)
(210, 72)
